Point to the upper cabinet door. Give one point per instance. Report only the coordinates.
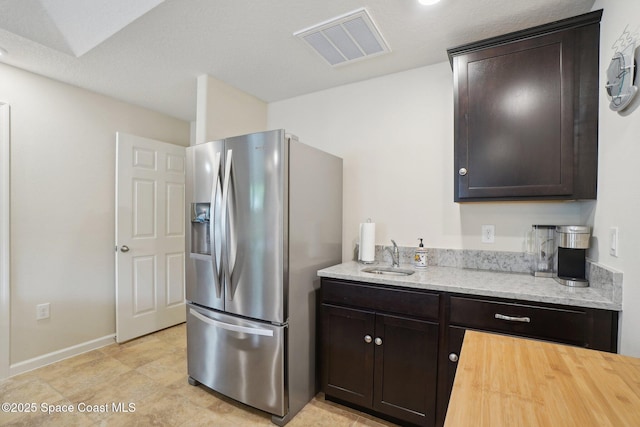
(516, 119)
(521, 109)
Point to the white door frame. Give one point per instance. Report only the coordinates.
(5, 246)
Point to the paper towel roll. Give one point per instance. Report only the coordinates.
(367, 242)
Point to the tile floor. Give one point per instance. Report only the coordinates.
(150, 373)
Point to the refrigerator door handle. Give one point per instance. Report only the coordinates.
(230, 327)
(212, 233)
(228, 269)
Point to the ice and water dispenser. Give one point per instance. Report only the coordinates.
(200, 228)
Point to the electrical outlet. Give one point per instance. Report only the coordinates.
(43, 311)
(613, 241)
(488, 233)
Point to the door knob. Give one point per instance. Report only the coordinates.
(378, 341)
(124, 248)
(367, 339)
(462, 171)
(453, 357)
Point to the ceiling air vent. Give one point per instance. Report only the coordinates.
(347, 38)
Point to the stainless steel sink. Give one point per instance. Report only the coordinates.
(391, 271)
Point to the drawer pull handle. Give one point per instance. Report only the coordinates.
(367, 339)
(378, 341)
(512, 318)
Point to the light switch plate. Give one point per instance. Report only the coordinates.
(613, 241)
(43, 311)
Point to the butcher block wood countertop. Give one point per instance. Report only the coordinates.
(509, 381)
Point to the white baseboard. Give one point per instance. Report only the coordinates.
(58, 355)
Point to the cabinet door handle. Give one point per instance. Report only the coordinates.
(462, 171)
(453, 357)
(378, 341)
(512, 318)
(367, 339)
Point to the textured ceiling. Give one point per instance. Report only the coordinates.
(150, 52)
(71, 26)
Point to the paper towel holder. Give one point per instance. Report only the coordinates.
(367, 238)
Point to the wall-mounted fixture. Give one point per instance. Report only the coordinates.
(346, 38)
(622, 73)
(621, 79)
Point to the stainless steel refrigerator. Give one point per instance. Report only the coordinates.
(264, 213)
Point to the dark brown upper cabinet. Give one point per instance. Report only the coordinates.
(526, 113)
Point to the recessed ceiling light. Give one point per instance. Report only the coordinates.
(428, 2)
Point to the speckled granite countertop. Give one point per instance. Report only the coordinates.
(519, 286)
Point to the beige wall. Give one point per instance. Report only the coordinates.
(224, 111)
(618, 202)
(62, 207)
(395, 134)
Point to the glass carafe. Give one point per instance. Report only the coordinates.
(544, 248)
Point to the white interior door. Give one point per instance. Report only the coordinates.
(150, 257)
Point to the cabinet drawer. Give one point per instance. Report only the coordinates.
(407, 302)
(549, 323)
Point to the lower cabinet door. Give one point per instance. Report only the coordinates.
(347, 354)
(406, 352)
(450, 365)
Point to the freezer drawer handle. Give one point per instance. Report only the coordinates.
(512, 318)
(230, 327)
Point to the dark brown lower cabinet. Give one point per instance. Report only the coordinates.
(455, 336)
(347, 359)
(381, 362)
(405, 372)
(578, 326)
(393, 351)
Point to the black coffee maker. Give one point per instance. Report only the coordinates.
(571, 265)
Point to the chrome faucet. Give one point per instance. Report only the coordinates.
(395, 254)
